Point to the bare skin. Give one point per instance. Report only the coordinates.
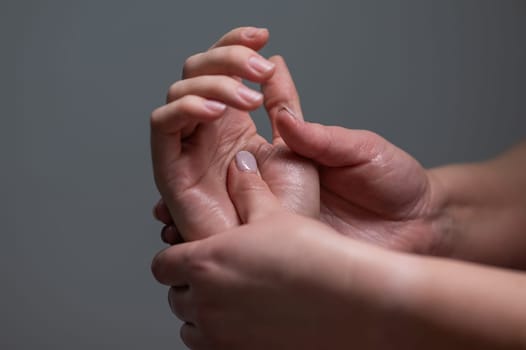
(370, 189)
(276, 279)
(317, 289)
(206, 122)
(484, 206)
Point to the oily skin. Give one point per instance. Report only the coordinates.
(364, 187)
(284, 281)
(206, 122)
(239, 288)
(271, 281)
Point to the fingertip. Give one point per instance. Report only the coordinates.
(170, 235)
(249, 36)
(161, 213)
(157, 267)
(246, 162)
(248, 191)
(278, 60)
(255, 33)
(255, 38)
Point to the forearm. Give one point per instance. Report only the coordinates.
(483, 209)
(456, 305)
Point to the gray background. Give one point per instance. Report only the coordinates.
(445, 80)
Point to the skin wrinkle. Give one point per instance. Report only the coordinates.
(205, 203)
(374, 201)
(292, 194)
(335, 220)
(227, 152)
(399, 233)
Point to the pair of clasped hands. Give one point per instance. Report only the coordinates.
(269, 241)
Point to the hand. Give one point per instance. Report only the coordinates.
(370, 189)
(280, 281)
(283, 281)
(206, 122)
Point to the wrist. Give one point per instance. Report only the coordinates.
(363, 286)
(462, 203)
(439, 213)
(392, 293)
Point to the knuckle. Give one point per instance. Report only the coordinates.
(233, 53)
(200, 268)
(185, 104)
(201, 264)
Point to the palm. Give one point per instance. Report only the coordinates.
(194, 183)
(384, 202)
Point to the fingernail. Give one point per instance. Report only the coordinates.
(288, 111)
(215, 106)
(246, 162)
(260, 64)
(252, 32)
(249, 95)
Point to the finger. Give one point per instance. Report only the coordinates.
(331, 146)
(192, 337)
(172, 266)
(168, 126)
(235, 60)
(179, 299)
(249, 193)
(280, 94)
(171, 123)
(170, 235)
(161, 213)
(252, 37)
(219, 88)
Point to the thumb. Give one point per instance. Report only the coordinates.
(249, 193)
(280, 93)
(331, 146)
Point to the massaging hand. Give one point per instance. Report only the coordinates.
(370, 189)
(279, 281)
(206, 122)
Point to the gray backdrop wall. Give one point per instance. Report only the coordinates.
(445, 80)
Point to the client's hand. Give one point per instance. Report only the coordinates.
(206, 122)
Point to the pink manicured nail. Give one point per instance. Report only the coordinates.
(215, 106)
(252, 32)
(260, 64)
(249, 95)
(246, 162)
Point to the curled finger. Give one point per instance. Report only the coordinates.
(170, 235)
(234, 60)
